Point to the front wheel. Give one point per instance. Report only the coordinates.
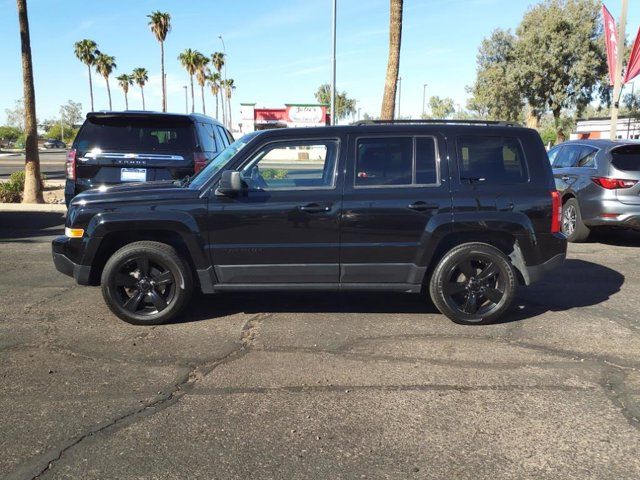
(146, 283)
(474, 283)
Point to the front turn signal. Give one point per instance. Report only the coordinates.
(74, 232)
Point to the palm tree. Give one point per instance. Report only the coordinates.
(217, 60)
(104, 66)
(32, 182)
(189, 60)
(125, 80)
(393, 65)
(140, 77)
(86, 51)
(160, 24)
(201, 76)
(229, 87)
(214, 84)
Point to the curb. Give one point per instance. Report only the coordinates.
(33, 207)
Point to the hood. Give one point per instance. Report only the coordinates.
(135, 192)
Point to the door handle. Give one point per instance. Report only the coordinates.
(314, 208)
(421, 206)
(565, 177)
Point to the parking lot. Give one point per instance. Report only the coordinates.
(317, 385)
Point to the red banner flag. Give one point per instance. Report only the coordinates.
(633, 67)
(611, 40)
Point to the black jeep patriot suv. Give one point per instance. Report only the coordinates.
(465, 212)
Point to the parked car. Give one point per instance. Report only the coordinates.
(599, 181)
(53, 143)
(120, 147)
(465, 212)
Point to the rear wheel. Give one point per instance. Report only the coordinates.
(146, 283)
(474, 283)
(572, 225)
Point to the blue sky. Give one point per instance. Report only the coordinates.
(278, 51)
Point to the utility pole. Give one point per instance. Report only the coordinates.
(333, 63)
(617, 85)
(630, 115)
(424, 100)
(224, 51)
(186, 101)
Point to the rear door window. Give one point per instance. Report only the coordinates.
(491, 159)
(136, 134)
(569, 156)
(626, 158)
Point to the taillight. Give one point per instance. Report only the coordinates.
(199, 161)
(71, 164)
(556, 214)
(613, 183)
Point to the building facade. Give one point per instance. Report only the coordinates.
(291, 115)
(627, 129)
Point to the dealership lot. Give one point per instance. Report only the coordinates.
(318, 385)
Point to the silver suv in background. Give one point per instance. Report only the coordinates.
(599, 181)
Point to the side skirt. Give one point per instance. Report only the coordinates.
(363, 287)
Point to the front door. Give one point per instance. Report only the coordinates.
(396, 195)
(285, 228)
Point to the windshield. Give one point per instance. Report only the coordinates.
(220, 161)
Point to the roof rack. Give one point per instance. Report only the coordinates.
(438, 121)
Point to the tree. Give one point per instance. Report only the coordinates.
(32, 180)
(214, 80)
(86, 51)
(189, 60)
(202, 72)
(229, 87)
(393, 64)
(160, 24)
(140, 77)
(125, 81)
(16, 116)
(345, 106)
(71, 113)
(495, 94)
(105, 64)
(217, 60)
(9, 134)
(560, 56)
(441, 107)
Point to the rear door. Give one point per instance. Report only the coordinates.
(134, 148)
(396, 193)
(625, 165)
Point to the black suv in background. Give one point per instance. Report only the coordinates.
(465, 212)
(119, 147)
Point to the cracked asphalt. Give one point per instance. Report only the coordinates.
(317, 385)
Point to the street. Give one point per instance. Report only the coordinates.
(316, 385)
(51, 164)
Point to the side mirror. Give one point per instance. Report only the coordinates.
(230, 183)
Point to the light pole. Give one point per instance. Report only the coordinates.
(186, 102)
(617, 84)
(333, 64)
(224, 51)
(399, 94)
(424, 100)
(359, 108)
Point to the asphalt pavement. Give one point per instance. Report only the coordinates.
(319, 386)
(51, 164)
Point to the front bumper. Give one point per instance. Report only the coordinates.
(60, 249)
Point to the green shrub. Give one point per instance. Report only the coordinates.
(11, 191)
(273, 173)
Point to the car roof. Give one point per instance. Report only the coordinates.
(601, 143)
(148, 113)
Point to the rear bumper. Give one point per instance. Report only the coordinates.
(621, 221)
(597, 214)
(81, 273)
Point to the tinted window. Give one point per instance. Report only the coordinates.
(426, 170)
(626, 158)
(491, 159)
(291, 165)
(223, 135)
(587, 157)
(136, 134)
(568, 157)
(207, 137)
(553, 153)
(384, 161)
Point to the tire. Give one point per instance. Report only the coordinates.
(146, 283)
(473, 284)
(572, 226)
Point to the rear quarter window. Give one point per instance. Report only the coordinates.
(491, 159)
(626, 158)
